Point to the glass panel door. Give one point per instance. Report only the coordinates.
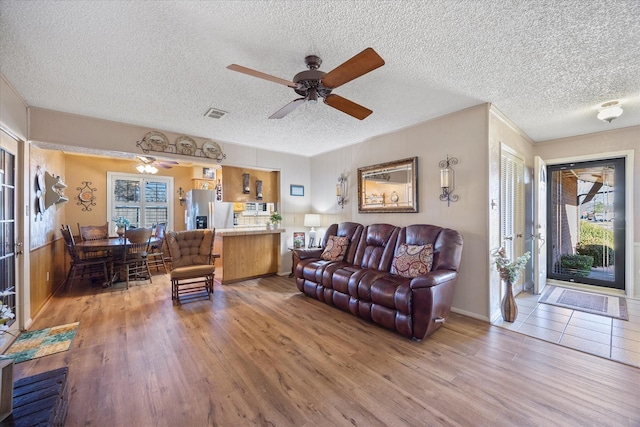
(8, 243)
(586, 223)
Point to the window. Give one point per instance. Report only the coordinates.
(142, 199)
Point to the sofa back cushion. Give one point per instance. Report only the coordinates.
(412, 260)
(350, 230)
(447, 244)
(335, 249)
(377, 246)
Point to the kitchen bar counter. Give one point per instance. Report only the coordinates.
(246, 253)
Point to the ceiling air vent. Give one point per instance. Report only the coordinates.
(214, 113)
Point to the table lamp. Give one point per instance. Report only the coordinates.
(312, 220)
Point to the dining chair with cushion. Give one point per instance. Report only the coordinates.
(192, 269)
(156, 257)
(133, 255)
(89, 266)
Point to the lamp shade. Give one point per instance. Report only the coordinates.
(312, 220)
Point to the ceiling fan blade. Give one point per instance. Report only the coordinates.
(362, 63)
(347, 107)
(260, 75)
(161, 165)
(287, 108)
(167, 162)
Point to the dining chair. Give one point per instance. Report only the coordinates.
(156, 256)
(93, 232)
(192, 269)
(133, 254)
(80, 263)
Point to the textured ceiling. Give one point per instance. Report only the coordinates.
(544, 64)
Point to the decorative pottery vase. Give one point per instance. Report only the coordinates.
(509, 307)
(120, 230)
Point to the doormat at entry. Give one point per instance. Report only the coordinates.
(604, 305)
(35, 344)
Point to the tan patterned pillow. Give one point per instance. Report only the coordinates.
(412, 260)
(335, 249)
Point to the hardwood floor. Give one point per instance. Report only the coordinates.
(261, 353)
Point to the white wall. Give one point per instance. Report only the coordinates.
(463, 135)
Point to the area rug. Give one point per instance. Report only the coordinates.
(35, 344)
(604, 305)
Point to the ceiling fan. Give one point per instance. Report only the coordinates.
(313, 83)
(150, 164)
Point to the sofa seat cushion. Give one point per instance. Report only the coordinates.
(392, 292)
(338, 278)
(412, 260)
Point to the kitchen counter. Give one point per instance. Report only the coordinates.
(242, 231)
(246, 253)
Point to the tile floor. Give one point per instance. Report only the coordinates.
(603, 336)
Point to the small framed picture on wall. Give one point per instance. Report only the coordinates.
(296, 190)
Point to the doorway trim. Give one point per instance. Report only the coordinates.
(628, 155)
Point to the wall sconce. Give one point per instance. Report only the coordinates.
(609, 111)
(181, 197)
(259, 189)
(447, 180)
(246, 189)
(312, 220)
(341, 190)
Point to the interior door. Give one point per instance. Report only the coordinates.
(540, 225)
(10, 246)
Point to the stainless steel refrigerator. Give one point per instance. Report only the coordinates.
(203, 211)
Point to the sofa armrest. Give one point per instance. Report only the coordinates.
(307, 253)
(433, 278)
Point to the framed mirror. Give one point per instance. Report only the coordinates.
(389, 187)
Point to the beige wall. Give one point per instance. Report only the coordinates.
(463, 135)
(69, 131)
(504, 132)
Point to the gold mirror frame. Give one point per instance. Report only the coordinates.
(389, 187)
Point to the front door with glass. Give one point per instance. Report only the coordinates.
(586, 230)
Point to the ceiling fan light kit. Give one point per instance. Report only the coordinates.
(609, 111)
(313, 83)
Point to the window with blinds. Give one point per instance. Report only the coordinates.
(143, 200)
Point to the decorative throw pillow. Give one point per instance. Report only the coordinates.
(335, 249)
(412, 260)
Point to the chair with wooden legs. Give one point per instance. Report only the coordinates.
(156, 257)
(93, 232)
(192, 269)
(89, 266)
(134, 252)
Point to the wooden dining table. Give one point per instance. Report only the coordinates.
(109, 246)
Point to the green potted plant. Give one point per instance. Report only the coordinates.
(122, 224)
(275, 218)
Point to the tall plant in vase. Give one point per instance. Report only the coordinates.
(509, 272)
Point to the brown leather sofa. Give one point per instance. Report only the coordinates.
(362, 282)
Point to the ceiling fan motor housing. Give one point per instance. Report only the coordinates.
(310, 79)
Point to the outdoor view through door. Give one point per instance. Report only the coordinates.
(586, 206)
